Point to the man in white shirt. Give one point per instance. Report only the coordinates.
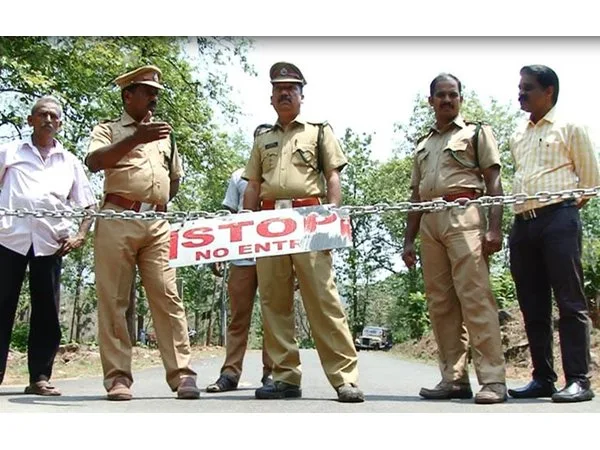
(241, 286)
(38, 173)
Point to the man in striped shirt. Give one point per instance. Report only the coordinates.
(551, 154)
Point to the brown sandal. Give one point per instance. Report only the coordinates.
(42, 387)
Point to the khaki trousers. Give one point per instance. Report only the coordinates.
(241, 286)
(325, 314)
(119, 246)
(460, 301)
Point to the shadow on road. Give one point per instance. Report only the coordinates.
(392, 398)
(68, 400)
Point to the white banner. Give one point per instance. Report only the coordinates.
(258, 234)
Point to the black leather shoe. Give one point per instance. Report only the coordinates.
(447, 391)
(574, 391)
(533, 389)
(278, 390)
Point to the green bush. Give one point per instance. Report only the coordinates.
(503, 288)
(409, 317)
(19, 338)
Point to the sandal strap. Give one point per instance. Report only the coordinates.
(225, 383)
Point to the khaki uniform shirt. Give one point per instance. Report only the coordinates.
(285, 161)
(143, 173)
(445, 162)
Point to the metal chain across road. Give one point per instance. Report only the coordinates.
(379, 208)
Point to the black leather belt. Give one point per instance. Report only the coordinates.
(539, 212)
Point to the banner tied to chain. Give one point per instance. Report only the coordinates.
(259, 234)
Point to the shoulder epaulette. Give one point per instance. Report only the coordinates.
(321, 126)
(425, 136)
(264, 129)
(478, 124)
(110, 120)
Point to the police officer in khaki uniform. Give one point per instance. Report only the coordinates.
(458, 160)
(142, 172)
(284, 169)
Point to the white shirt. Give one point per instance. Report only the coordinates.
(28, 181)
(234, 199)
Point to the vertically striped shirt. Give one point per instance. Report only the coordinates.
(552, 155)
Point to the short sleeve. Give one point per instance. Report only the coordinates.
(81, 194)
(584, 157)
(176, 165)
(101, 137)
(232, 196)
(487, 148)
(333, 156)
(415, 176)
(253, 170)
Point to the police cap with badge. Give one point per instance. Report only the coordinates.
(148, 75)
(285, 72)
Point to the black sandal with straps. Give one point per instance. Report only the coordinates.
(223, 384)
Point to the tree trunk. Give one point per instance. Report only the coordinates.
(140, 325)
(76, 317)
(130, 315)
(210, 312)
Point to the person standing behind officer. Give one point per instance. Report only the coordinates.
(455, 160)
(241, 286)
(284, 165)
(38, 173)
(142, 172)
(551, 154)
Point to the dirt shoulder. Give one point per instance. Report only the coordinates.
(516, 350)
(79, 361)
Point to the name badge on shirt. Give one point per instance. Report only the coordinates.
(271, 145)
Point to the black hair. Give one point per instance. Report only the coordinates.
(442, 77)
(545, 76)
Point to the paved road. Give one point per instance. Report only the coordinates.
(390, 384)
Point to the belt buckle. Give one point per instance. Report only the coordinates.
(283, 204)
(528, 215)
(146, 207)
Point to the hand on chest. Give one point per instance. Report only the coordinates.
(157, 153)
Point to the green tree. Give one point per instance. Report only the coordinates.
(372, 250)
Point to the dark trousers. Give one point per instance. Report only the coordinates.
(44, 326)
(545, 257)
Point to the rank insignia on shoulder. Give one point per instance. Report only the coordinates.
(422, 138)
(323, 123)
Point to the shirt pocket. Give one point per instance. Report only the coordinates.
(305, 157)
(269, 159)
(552, 152)
(460, 155)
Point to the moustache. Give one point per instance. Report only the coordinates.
(446, 104)
(285, 97)
(152, 104)
(523, 98)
